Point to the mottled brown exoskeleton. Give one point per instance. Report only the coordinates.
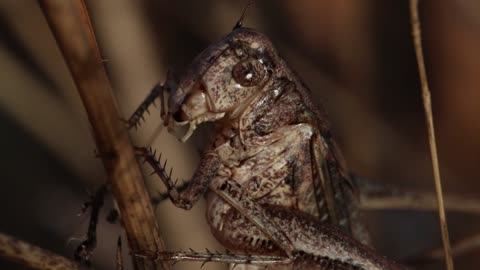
(276, 184)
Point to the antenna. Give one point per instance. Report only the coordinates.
(240, 21)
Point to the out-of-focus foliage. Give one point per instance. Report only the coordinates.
(356, 56)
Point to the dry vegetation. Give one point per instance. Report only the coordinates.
(356, 56)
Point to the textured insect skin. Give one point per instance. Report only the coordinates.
(260, 122)
(275, 181)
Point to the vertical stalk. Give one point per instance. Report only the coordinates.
(427, 105)
(72, 29)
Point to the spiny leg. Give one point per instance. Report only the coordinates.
(197, 186)
(267, 222)
(160, 197)
(337, 243)
(217, 257)
(292, 231)
(84, 251)
(138, 115)
(268, 163)
(302, 236)
(157, 92)
(286, 146)
(233, 193)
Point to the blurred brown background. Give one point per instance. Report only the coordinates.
(356, 56)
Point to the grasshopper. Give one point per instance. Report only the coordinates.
(277, 187)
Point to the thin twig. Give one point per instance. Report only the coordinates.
(459, 248)
(427, 105)
(468, 244)
(417, 201)
(375, 196)
(72, 29)
(32, 256)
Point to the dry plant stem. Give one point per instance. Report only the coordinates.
(416, 32)
(73, 32)
(459, 248)
(32, 256)
(426, 201)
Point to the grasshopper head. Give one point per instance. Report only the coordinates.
(223, 79)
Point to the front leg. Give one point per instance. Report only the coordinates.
(156, 92)
(197, 186)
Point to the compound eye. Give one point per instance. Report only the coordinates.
(248, 72)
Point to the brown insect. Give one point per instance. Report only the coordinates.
(276, 185)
